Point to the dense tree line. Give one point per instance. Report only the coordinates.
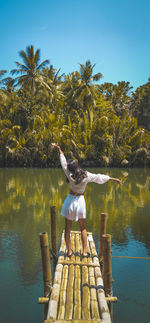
(101, 125)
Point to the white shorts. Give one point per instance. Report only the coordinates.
(74, 207)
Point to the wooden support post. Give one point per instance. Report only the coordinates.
(107, 264)
(102, 232)
(53, 229)
(47, 277)
(43, 300)
(107, 269)
(112, 299)
(53, 236)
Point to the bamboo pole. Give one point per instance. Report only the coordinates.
(89, 259)
(102, 232)
(47, 277)
(78, 247)
(43, 300)
(71, 276)
(104, 311)
(112, 299)
(107, 269)
(62, 248)
(53, 234)
(85, 294)
(54, 299)
(73, 245)
(129, 257)
(86, 301)
(73, 321)
(77, 282)
(77, 294)
(69, 303)
(94, 304)
(62, 301)
(93, 294)
(107, 264)
(85, 262)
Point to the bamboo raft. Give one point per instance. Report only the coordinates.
(78, 293)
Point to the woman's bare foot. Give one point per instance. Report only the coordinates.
(69, 254)
(85, 255)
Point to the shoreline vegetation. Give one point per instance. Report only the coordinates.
(100, 124)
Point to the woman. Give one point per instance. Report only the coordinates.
(74, 208)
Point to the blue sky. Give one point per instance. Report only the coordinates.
(113, 34)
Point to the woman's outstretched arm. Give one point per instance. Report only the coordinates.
(101, 178)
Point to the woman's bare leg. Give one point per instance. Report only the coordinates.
(83, 235)
(67, 235)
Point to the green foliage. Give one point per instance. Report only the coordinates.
(118, 95)
(141, 105)
(103, 125)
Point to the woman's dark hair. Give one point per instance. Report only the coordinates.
(77, 173)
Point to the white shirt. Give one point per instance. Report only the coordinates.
(91, 178)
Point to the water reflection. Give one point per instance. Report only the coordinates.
(27, 194)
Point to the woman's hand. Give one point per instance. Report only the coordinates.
(57, 147)
(116, 180)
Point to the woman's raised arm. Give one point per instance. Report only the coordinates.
(62, 158)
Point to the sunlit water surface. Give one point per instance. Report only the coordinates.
(25, 199)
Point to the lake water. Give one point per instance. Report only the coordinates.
(25, 199)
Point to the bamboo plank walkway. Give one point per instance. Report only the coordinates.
(78, 290)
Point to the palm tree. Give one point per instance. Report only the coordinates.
(141, 105)
(2, 72)
(118, 94)
(2, 95)
(70, 85)
(30, 70)
(53, 86)
(9, 84)
(85, 92)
